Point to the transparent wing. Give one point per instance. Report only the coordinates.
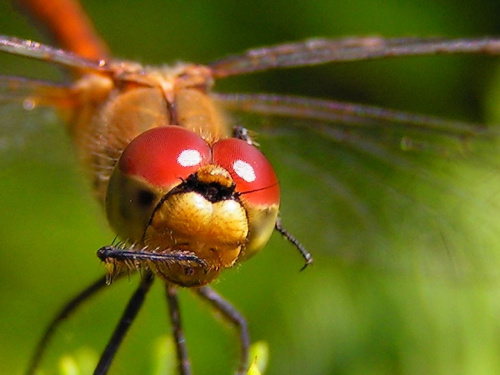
(40, 51)
(28, 109)
(25, 103)
(25, 90)
(321, 51)
(367, 180)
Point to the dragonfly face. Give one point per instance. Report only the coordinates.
(320, 202)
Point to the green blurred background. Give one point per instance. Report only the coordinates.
(340, 316)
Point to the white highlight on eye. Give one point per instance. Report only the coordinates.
(244, 170)
(188, 158)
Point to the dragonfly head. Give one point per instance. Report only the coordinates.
(172, 192)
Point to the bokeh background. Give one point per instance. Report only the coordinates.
(413, 290)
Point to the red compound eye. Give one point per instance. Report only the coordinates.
(251, 171)
(165, 155)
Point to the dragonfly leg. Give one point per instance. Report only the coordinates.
(126, 320)
(289, 237)
(234, 317)
(62, 315)
(180, 342)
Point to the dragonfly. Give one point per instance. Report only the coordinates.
(361, 132)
